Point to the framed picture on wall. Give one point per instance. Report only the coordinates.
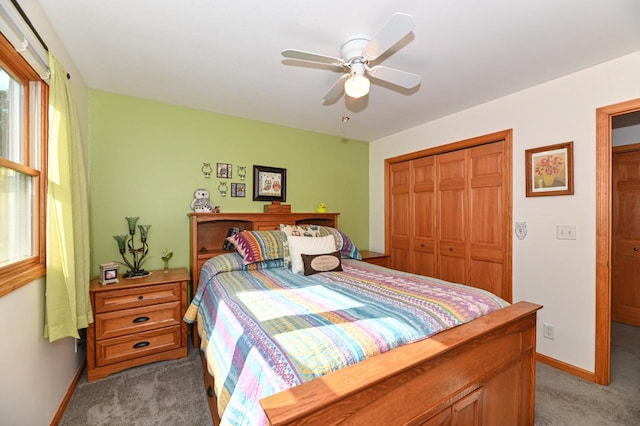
(269, 184)
(238, 190)
(549, 170)
(224, 170)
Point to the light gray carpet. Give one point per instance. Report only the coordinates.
(162, 393)
(563, 399)
(172, 393)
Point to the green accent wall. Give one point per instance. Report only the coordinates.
(145, 160)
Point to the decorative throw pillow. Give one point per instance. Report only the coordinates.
(343, 243)
(304, 230)
(315, 263)
(258, 246)
(304, 245)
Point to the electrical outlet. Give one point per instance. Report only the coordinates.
(549, 331)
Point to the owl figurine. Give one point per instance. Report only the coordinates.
(201, 203)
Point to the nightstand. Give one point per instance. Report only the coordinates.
(137, 321)
(376, 258)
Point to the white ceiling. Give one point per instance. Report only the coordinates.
(224, 55)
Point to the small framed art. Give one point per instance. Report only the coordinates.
(224, 170)
(269, 184)
(108, 273)
(549, 170)
(238, 189)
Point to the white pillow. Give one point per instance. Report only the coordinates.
(305, 245)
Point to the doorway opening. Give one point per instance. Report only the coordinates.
(604, 128)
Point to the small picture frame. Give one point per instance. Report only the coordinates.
(549, 170)
(238, 190)
(224, 170)
(108, 273)
(269, 184)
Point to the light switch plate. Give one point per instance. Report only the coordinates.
(566, 232)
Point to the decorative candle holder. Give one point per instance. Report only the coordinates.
(242, 172)
(126, 244)
(223, 188)
(206, 169)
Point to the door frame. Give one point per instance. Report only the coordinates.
(604, 118)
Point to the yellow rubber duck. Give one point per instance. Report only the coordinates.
(322, 208)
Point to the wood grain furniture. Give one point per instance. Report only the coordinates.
(208, 231)
(482, 372)
(375, 258)
(137, 321)
(625, 238)
(449, 213)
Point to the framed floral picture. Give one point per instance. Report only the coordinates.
(549, 170)
(269, 184)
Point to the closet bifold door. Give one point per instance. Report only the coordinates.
(452, 204)
(400, 212)
(423, 231)
(486, 218)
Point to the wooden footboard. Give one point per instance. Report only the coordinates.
(482, 372)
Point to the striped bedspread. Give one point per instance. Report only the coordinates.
(266, 329)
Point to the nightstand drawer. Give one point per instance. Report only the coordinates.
(138, 345)
(134, 297)
(120, 323)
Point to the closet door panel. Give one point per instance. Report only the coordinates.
(486, 275)
(453, 263)
(486, 207)
(424, 259)
(423, 215)
(452, 205)
(400, 206)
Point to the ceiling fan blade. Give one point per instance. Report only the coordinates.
(395, 30)
(399, 78)
(336, 90)
(312, 57)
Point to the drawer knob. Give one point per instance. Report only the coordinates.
(141, 319)
(140, 297)
(635, 249)
(450, 248)
(209, 392)
(140, 345)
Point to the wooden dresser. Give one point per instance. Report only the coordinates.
(137, 321)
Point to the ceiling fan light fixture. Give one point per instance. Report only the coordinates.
(357, 86)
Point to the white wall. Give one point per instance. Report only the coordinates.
(36, 374)
(558, 274)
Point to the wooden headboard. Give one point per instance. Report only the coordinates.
(209, 230)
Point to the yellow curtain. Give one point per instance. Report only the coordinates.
(68, 307)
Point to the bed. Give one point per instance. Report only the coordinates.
(397, 348)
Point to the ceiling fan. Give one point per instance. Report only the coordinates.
(356, 55)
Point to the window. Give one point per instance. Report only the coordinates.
(23, 179)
